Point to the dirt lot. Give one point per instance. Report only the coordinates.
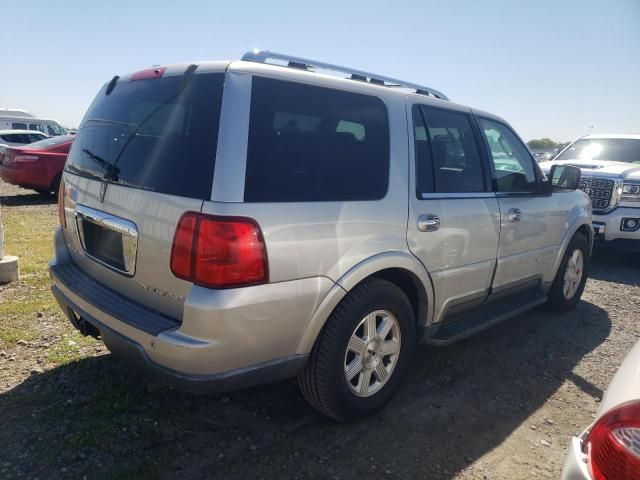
(502, 404)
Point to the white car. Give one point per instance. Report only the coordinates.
(610, 448)
(13, 138)
(610, 166)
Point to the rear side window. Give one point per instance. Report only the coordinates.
(308, 143)
(19, 126)
(157, 134)
(447, 156)
(21, 138)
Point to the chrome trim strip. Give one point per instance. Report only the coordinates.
(452, 196)
(126, 228)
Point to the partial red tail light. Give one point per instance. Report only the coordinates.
(25, 158)
(219, 252)
(61, 216)
(613, 444)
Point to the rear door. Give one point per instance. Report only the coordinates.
(144, 154)
(532, 221)
(454, 221)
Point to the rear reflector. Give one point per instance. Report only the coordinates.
(219, 252)
(613, 444)
(61, 195)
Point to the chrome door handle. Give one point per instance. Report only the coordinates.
(428, 222)
(514, 215)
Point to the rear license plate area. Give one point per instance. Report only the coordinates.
(103, 244)
(108, 239)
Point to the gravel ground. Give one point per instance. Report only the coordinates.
(500, 405)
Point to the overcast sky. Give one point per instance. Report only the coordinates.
(552, 68)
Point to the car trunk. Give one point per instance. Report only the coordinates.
(143, 156)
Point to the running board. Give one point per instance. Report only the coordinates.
(482, 317)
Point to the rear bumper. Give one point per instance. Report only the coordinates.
(28, 175)
(608, 227)
(227, 339)
(135, 356)
(575, 465)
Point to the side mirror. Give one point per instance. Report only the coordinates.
(565, 177)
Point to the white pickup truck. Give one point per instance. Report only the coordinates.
(610, 166)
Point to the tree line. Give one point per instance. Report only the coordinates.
(546, 143)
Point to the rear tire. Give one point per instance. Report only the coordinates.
(571, 277)
(370, 337)
(55, 184)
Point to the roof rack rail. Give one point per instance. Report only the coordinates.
(265, 56)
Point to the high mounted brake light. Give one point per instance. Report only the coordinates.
(155, 72)
(219, 252)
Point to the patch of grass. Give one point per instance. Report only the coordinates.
(25, 303)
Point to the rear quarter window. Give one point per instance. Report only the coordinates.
(310, 143)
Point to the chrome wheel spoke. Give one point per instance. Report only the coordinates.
(354, 369)
(370, 326)
(385, 328)
(390, 347)
(356, 344)
(365, 380)
(381, 372)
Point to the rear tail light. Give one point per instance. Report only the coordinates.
(61, 194)
(219, 252)
(25, 158)
(613, 444)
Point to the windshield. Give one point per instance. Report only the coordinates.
(55, 129)
(615, 149)
(51, 142)
(158, 134)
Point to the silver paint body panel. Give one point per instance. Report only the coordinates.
(317, 251)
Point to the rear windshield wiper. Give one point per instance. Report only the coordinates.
(111, 171)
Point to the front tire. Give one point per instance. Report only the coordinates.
(571, 276)
(363, 353)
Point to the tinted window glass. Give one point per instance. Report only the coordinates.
(19, 126)
(513, 169)
(32, 137)
(156, 134)
(424, 163)
(452, 162)
(36, 126)
(310, 143)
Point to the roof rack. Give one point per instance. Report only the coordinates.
(265, 56)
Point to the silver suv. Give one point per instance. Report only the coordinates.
(225, 224)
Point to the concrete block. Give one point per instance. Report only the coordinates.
(9, 269)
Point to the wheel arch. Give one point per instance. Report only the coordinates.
(399, 268)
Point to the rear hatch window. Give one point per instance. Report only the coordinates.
(157, 134)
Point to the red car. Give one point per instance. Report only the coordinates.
(38, 165)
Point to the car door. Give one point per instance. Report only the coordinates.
(454, 219)
(531, 220)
